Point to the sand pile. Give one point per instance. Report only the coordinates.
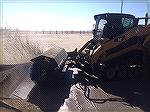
(17, 105)
(18, 49)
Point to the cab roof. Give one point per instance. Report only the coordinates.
(115, 15)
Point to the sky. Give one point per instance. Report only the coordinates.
(63, 14)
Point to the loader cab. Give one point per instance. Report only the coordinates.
(110, 25)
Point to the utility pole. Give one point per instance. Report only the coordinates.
(148, 11)
(1, 32)
(121, 6)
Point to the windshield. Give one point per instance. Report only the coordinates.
(127, 23)
(100, 23)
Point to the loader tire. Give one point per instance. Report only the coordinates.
(122, 74)
(110, 74)
(138, 72)
(130, 73)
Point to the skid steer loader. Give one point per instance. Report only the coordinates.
(120, 47)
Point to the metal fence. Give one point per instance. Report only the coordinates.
(46, 32)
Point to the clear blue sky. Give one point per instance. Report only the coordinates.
(63, 15)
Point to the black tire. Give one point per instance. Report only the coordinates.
(138, 72)
(122, 74)
(110, 74)
(130, 73)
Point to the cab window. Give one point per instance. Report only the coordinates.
(127, 23)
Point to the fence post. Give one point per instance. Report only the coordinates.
(1, 45)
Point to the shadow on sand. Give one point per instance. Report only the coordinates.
(135, 91)
(49, 96)
(6, 67)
